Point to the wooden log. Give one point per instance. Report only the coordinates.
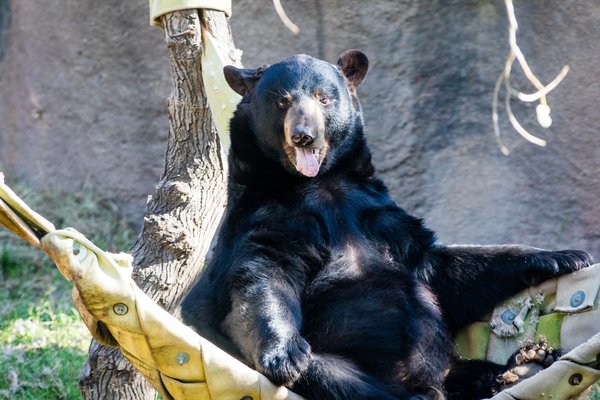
(184, 212)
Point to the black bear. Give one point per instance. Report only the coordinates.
(319, 280)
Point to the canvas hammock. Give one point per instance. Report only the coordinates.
(182, 365)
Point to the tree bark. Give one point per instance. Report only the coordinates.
(188, 202)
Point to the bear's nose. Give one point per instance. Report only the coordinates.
(303, 136)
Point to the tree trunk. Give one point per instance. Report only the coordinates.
(187, 205)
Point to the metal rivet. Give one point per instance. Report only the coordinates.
(223, 107)
(232, 101)
(182, 358)
(577, 298)
(216, 89)
(120, 309)
(575, 379)
(509, 315)
(79, 251)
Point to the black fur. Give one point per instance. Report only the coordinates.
(323, 283)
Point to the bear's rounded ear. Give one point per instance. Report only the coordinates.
(243, 81)
(354, 65)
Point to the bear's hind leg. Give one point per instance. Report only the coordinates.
(525, 363)
(478, 379)
(330, 377)
(472, 379)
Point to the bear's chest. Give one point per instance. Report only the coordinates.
(354, 261)
(341, 211)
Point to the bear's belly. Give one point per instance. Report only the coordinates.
(368, 310)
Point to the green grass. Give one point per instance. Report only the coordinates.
(43, 341)
(594, 393)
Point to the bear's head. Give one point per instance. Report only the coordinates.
(302, 109)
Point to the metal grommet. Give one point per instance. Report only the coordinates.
(246, 398)
(182, 358)
(575, 379)
(577, 298)
(120, 309)
(509, 316)
(79, 251)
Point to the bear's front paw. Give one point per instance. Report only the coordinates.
(284, 362)
(566, 261)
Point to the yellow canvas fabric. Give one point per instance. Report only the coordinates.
(18, 217)
(160, 7)
(471, 342)
(548, 328)
(222, 99)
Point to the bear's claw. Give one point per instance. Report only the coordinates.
(564, 261)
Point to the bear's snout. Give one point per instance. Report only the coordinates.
(303, 136)
(304, 124)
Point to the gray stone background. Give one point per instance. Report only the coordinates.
(83, 86)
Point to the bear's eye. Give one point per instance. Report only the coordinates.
(282, 103)
(324, 100)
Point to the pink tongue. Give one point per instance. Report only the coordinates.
(306, 162)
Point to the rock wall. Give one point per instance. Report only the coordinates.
(83, 85)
